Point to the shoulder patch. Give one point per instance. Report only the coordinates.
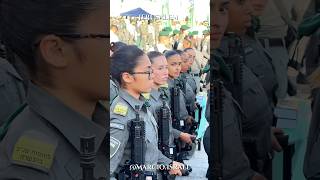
(114, 146)
(117, 125)
(120, 109)
(33, 151)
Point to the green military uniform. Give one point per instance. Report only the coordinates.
(205, 45)
(161, 46)
(156, 104)
(312, 158)
(256, 107)
(235, 163)
(260, 63)
(190, 91)
(122, 111)
(12, 92)
(181, 36)
(196, 67)
(182, 108)
(143, 30)
(44, 142)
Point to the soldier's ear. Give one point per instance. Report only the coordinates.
(127, 77)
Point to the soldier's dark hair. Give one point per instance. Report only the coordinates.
(23, 23)
(170, 53)
(179, 51)
(115, 46)
(124, 60)
(153, 54)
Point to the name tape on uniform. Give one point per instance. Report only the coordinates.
(33, 153)
(117, 125)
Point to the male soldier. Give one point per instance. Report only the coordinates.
(143, 30)
(175, 39)
(150, 38)
(183, 32)
(274, 25)
(205, 44)
(163, 43)
(157, 28)
(113, 34)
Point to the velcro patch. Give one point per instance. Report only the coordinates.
(146, 95)
(121, 109)
(33, 152)
(114, 146)
(164, 86)
(117, 126)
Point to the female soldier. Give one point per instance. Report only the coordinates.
(187, 82)
(174, 68)
(235, 164)
(160, 70)
(63, 46)
(160, 95)
(132, 69)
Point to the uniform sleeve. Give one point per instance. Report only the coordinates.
(175, 133)
(119, 136)
(163, 159)
(183, 109)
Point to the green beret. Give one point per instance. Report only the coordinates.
(190, 34)
(164, 33)
(184, 27)
(176, 31)
(167, 29)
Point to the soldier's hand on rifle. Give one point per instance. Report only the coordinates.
(189, 120)
(274, 142)
(187, 138)
(176, 168)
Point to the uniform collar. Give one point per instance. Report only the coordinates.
(155, 94)
(131, 100)
(70, 123)
(9, 68)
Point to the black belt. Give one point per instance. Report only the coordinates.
(273, 42)
(195, 74)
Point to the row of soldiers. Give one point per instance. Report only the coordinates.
(160, 87)
(145, 33)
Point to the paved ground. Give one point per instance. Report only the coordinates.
(199, 164)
